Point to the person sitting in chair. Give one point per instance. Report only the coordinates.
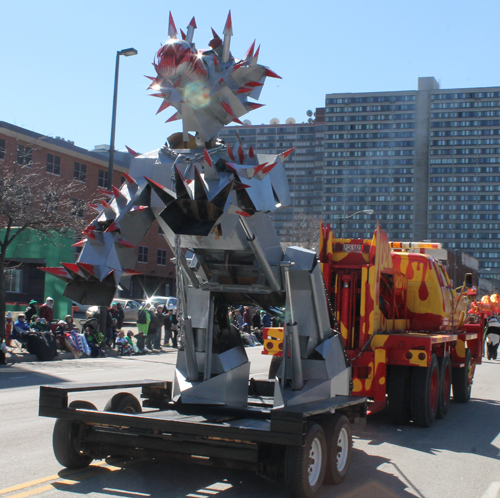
(21, 329)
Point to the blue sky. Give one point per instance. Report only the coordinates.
(57, 56)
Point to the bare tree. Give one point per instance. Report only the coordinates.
(32, 200)
(302, 231)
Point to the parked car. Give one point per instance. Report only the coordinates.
(169, 301)
(130, 309)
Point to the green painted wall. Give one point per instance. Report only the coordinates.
(32, 245)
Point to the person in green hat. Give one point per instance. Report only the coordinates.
(30, 310)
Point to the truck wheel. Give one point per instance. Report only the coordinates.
(339, 448)
(462, 379)
(425, 393)
(444, 385)
(274, 367)
(123, 403)
(305, 466)
(65, 440)
(398, 394)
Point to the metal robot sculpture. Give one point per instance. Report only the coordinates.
(214, 200)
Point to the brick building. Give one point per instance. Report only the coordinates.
(63, 159)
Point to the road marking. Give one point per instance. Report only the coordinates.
(493, 490)
(62, 478)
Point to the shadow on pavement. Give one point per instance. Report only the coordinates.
(14, 376)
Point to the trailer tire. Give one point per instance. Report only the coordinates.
(65, 440)
(462, 380)
(305, 466)
(398, 387)
(274, 366)
(425, 393)
(339, 448)
(445, 376)
(123, 403)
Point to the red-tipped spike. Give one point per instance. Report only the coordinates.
(236, 120)
(164, 105)
(105, 204)
(272, 74)
(240, 186)
(253, 105)
(95, 207)
(189, 181)
(125, 243)
(172, 30)
(241, 154)
(88, 268)
(89, 234)
(159, 185)
(253, 84)
(175, 117)
(243, 213)
(244, 90)
(160, 95)
(230, 166)
(128, 178)
(132, 152)
(215, 35)
(57, 271)
(216, 63)
(129, 271)
(267, 169)
(183, 35)
(230, 152)
(207, 157)
(251, 153)
(105, 192)
(256, 56)
(116, 192)
(259, 167)
(150, 77)
(193, 23)
(249, 53)
(80, 243)
(228, 28)
(239, 64)
(285, 154)
(114, 227)
(227, 108)
(72, 267)
(138, 208)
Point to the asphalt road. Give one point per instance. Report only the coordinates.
(457, 457)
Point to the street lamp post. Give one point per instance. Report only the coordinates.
(127, 53)
(342, 220)
(103, 310)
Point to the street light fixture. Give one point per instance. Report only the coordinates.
(342, 220)
(128, 52)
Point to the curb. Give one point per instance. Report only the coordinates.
(12, 358)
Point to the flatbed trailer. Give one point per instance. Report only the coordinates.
(257, 437)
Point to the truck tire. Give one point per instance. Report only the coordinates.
(123, 403)
(398, 387)
(274, 366)
(425, 393)
(65, 440)
(305, 466)
(339, 448)
(445, 376)
(462, 380)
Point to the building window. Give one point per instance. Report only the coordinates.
(23, 155)
(13, 280)
(161, 258)
(2, 148)
(160, 230)
(53, 164)
(143, 254)
(80, 172)
(102, 180)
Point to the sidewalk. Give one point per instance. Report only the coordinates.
(21, 357)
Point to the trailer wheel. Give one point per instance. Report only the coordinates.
(65, 440)
(445, 376)
(339, 448)
(274, 366)
(305, 466)
(462, 379)
(425, 393)
(123, 403)
(398, 394)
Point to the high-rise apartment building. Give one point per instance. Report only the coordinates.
(426, 161)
